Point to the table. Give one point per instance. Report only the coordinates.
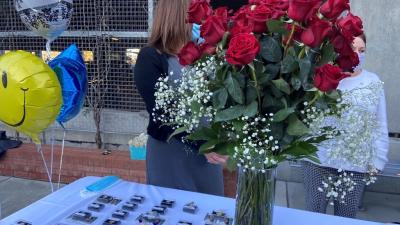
(54, 208)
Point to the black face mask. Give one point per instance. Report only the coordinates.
(231, 4)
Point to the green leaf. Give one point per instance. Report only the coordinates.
(282, 114)
(251, 110)
(203, 133)
(333, 95)
(282, 85)
(225, 148)
(292, 51)
(220, 97)
(289, 64)
(275, 91)
(259, 67)
(296, 127)
(300, 149)
(272, 70)
(305, 69)
(251, 94)
(314, 158)
(277, 130)
(234, 89)
(230, 113)
(271, 49)
(295, 82)
(327, 54)
(178, 131)
(195, 106)
(238, 125)
(241, 78)
(208, 146)
(263, 78)
(221, 73)
(277, 26)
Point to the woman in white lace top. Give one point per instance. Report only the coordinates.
(361, 149)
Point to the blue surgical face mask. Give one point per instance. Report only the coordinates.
(196, 34)
(361, 58)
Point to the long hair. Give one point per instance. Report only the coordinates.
(170, 31)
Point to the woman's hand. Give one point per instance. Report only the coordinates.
(215, 158)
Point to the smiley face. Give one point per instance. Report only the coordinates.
(30, 93)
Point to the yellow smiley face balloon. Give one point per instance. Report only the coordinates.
(30, 93)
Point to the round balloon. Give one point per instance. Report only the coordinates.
(47, 18)
(30, 93)
(72, 74)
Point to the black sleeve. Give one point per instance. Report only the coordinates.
(147, 70)
(149, 67)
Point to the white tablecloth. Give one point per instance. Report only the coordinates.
(57, 206)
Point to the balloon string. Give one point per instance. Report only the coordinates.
(52, 155)
(48, 49)
(39, 149)
(61, 160)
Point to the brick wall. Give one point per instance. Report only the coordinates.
(25, 162)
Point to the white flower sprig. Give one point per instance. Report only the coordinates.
(186, 102)
(257, 144)
(337, 187)
(353, 145)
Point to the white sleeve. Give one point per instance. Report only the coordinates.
(382, 142)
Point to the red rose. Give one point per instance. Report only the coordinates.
(277, 7)
(350, 26)
(199, 10)
(240, 17)
(239, 29)
(189, 54)
(281, 4)
(341, 44)
(331, 9)
(207, 49)
(302, 10)
(314, 35)
(213, 30)
(327, 77)
(222, 12)
(259, 15)
(242, 49)
(348, 62)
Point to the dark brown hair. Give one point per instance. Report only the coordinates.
(170, 32)
(363, 37)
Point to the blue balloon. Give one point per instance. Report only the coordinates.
(72, 74)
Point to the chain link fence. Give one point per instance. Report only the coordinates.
(108, 32)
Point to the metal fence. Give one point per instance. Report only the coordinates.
(108, 32)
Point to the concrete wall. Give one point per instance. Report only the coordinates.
(382, 26)
(117, 128)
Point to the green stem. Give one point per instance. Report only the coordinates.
(254, 78)
(316, 96)
(290, 37)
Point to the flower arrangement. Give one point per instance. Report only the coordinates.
(253, 87)
(137, 147)
(138, 141)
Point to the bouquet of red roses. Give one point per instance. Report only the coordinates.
(271, 58)
(260, 79)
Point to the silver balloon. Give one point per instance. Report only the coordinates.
(47, 18)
